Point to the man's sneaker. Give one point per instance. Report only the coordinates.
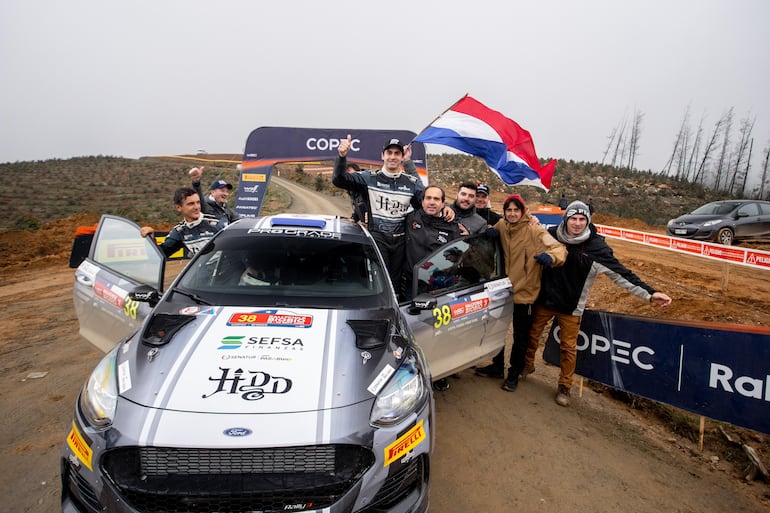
(442, 385)
(510, 384)
(562, 396)
(529, 369)
(490, 371)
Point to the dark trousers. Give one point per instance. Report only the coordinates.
(392, 248)
(523, 315)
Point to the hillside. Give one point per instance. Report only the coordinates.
(141, 189)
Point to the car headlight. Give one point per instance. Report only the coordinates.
(99, 397)
(406, 392)
(712, 222)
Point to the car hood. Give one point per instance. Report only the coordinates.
(696, 218)
(259, 360)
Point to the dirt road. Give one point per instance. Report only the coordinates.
(496, 451)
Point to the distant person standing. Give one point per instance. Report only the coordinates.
(591, 208)
(563, 202)
(484, 205)
(564, 290)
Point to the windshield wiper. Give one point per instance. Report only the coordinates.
(192, 295)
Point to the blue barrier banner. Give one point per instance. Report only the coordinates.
(267, 146)
(715, 370)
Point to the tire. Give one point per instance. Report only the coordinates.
(725, 236)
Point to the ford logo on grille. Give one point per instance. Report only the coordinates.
(237, 431)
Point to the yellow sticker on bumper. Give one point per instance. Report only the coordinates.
(79, 446)
(404, 444)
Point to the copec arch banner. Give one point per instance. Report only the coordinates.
(714, 370)
(268, 146)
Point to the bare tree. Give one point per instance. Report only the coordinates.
(678, 142)
(763, 183)
(747, 170)
(689, 170)
(636, 132)
(616, 159)
(738, 175)
(610, 140)
(700, 176)
(724, 157)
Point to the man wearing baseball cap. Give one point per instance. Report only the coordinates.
(388, 192)
(215, 204)
(483, 206)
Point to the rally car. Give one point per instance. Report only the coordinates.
(276, 373)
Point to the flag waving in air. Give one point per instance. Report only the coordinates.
(508, 150)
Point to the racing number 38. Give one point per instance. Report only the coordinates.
(442, 316)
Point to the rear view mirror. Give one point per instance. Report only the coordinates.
(145, 294)
(420, 303)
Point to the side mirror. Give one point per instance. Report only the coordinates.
(145, 294)
(420, 303)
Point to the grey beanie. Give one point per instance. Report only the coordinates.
(577, 207)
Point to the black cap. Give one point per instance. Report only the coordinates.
(393, 142)
(483, 189)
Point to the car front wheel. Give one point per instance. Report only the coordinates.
(725, 236)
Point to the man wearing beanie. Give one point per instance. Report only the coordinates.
(528, 249)
(563, 291)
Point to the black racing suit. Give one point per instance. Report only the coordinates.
(424, 234)
(192, 236)
(388, 199)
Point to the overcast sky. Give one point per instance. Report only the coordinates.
(151, 77)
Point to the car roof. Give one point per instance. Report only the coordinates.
(322, 226)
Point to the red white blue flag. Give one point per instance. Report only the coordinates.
(508, 150)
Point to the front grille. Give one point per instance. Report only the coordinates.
(398, 485)
(79, 489)
(176, 480)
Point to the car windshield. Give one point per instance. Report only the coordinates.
(287, 271)
(719, 208)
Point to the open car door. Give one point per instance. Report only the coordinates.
(119, 260)
(462, 306)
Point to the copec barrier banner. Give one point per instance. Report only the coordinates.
(267, 146)
(717, 371)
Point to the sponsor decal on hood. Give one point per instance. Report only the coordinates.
(253, 362)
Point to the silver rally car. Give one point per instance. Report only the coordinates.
(276, 373)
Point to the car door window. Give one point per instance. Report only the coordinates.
(457, 265)
(463, 304)
(119, 246)
(750, 209)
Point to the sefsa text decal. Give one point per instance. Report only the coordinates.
(80, 447)
(278, 318)
(405, 443)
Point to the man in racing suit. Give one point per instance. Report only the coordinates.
(389, 192)
(426, 231)
(194, 231)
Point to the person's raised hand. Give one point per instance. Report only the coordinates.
(344, 146)
(196, 173)
(408, 152)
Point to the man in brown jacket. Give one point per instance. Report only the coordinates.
(528, 247)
